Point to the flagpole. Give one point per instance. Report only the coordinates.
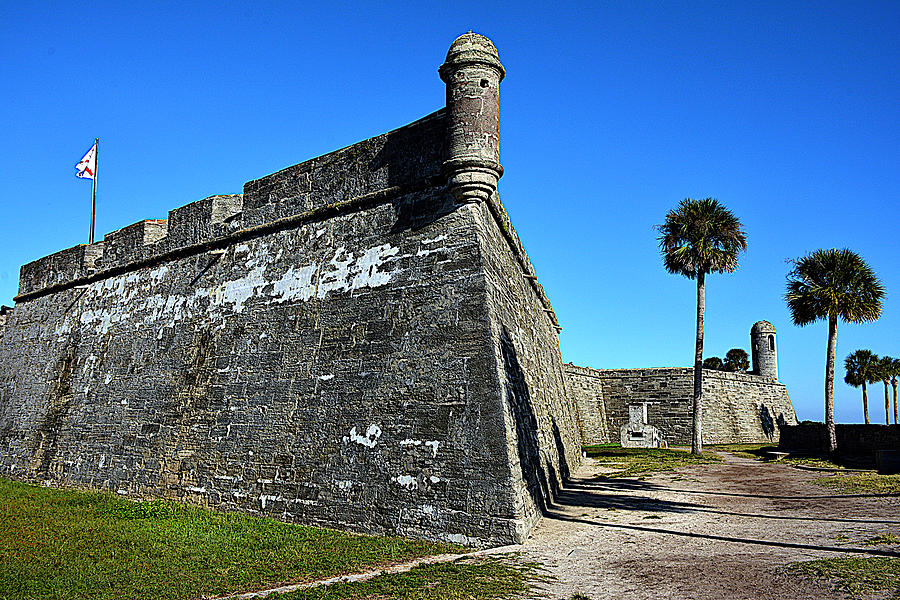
(94, 199)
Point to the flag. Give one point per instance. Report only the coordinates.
(87, 166)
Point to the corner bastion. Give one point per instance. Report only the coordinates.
(357, 341)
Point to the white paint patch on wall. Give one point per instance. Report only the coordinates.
(130, 298)
(238, 291)
(295, 284)
(427, 251)
(159, 273)
(336, 277)
(434, 446)
(267, 498)
(407, 481)
(458, 538)
(369, 440)
(366, 267)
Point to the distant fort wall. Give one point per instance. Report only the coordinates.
(737, 407)
(357, 341)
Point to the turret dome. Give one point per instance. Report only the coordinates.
(473, 48)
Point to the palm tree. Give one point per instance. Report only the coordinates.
(895, 373)
(885, 371)
(833, 284)
(861, 368)
(737, 361)
(700, 237)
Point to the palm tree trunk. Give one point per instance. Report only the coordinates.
(865, 403)
(829, 383)
(697, 440)
(894, 385)
(887, 404)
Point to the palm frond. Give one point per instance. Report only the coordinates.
(701, 236)
(861, 366)
(836, 283)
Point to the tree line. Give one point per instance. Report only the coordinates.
(700, 237)
(735, 361)
(862, 367)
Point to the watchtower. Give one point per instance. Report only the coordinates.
(762, 344)
(472, 72)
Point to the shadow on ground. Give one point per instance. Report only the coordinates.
(626, 495)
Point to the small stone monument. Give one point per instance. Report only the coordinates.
(637, 433)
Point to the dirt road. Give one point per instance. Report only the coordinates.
(712, 531)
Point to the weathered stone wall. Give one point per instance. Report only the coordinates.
(586, 392)
(407, 157)
(738, 407)
(344, 344)
(545, 441)
(852, 439)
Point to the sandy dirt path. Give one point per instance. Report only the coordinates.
(709, 531)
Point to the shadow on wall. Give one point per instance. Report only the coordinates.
(59, 403)
(561, 452)
(540, 476)
(415, 211)
(769, 423)
(410, 155)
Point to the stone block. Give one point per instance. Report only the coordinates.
(204, 220)
(61, 267)
(133, 243)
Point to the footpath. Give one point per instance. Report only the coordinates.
(712, 531)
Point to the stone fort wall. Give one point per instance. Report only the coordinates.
(357, 341)
(856, 440)
(737, 407)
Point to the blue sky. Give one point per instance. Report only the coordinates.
(788, 113)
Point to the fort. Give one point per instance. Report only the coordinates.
(357, 341)
(737, 407)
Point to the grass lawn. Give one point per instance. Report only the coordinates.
(75, 544)
(858, 576)
(754, 451)
(862, 483)
(632, 462)
(470, 579)
(758, 452)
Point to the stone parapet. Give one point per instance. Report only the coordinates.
(133, 243)
(59, 268)
(401, 157)
(204, 220)
(374, 170)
